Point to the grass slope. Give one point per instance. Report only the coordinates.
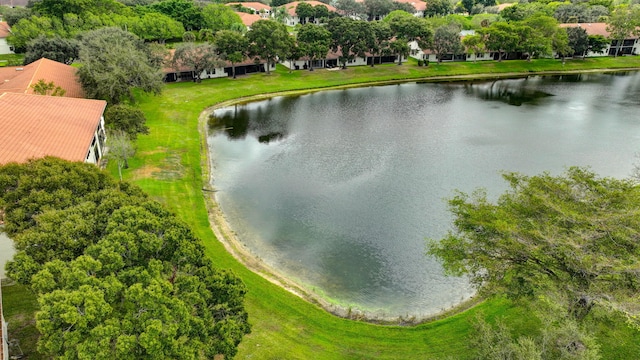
(170, 167)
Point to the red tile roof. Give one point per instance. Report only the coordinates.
(35, 126)
(291, 7)
(4, 29)
(20, 79)
(251, 5)
(592, 29)
(417, 4)
(248, 19)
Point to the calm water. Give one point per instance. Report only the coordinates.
(339, 189)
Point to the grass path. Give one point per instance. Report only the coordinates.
(171, 165)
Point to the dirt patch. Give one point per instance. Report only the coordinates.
(170, 167)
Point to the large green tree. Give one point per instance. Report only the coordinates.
(446, 40)
(116, 274)
(268, 40)
(220, 17)
(574, 238)
(315, 41)
(350, 38)
(114, 62)
(56, 48)
(232, 47)
(127, 119)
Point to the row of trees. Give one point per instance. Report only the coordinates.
(157, 22)
(117, 276)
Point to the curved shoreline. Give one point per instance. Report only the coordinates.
(227, 237)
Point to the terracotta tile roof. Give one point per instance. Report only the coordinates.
(19, 79)
(248, 19)
(592, 29)
(35, 126)
(417, 4)
(291, 7)
(4, 29)
(257, 6)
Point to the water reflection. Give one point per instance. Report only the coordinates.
(339, 189)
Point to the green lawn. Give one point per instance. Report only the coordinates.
(169, 166)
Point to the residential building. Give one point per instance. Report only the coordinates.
(35, 126)
(5, 48)
(628, 46)
(258, 8)
(293, 19)
(21, 79)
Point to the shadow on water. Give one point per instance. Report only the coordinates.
(514, 92)
(259, 121)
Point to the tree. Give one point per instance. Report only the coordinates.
(412, 28)
(184, 11)
(126, 118)
(474, 45)
(400, 47)
(349, 37)
(31, 28)
(55, 48)
(196, 58)
(305, 11)
(15, 14)
(232, 47)
(446, 40)
(560, 43)
(382, 35)
(114, 62)
(351, 8)
(219, 17)
(158, 27)
(120, 149)
(268, 40)
(438, 8)
(623, 23)
(578, 40)
(572, 238)
(598, 43)
(315, 42)
(468, 5)
(116, 275)
(47, 88)
(376, 9)
(500, 37)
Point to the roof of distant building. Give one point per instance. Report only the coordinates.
(4, 29)
(248, 19)
(21, 78)
(257, 6)
(291, 7)
(592, 28)
(35, 126)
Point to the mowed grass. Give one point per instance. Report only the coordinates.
(171, 166)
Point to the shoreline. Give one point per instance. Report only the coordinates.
(227, 237)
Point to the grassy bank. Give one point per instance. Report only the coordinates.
(169, 165)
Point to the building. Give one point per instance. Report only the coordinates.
(258, 8)
(249, 19)
(5, 48)
(21, 79)
(628, 46)
(35, 126)
(293, 19)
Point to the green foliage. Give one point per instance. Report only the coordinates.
(117, 275)
(56, 48)
(219, 17)
(184, 11)
(575, 234)
(268, 40)
(231, 46)
(114, 62)
(446, 40)
(315, 41)
(44, 88)
(127, 119)
(157, 27)
(578, 40)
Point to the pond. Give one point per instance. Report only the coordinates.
(338, 190)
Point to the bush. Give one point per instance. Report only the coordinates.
(420, 62)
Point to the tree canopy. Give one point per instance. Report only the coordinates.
(116, 274)
(574, 237)
(114, 62)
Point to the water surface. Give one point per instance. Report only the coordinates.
(339, 189)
